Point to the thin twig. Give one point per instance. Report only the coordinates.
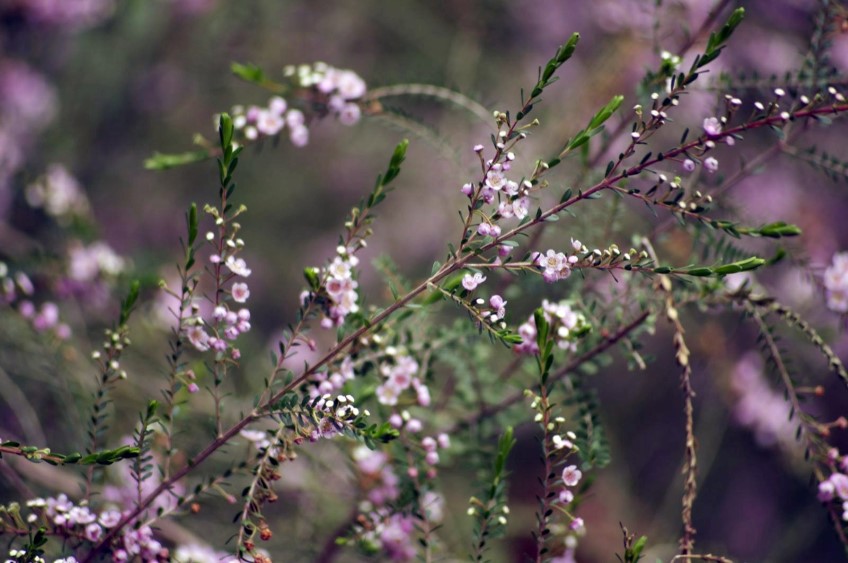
(599, 348)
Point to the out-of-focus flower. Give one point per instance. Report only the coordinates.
(58, 193)
(836, 283)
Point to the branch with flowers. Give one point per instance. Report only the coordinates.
(352, 383)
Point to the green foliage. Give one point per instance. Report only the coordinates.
(591, 439)
(490, 511)
(718, 39)
(632, 547)
(596, 125)
(128, 304)
(144, 463)
(546, 76)
(38, 455)
(832, 166)
(160, 161)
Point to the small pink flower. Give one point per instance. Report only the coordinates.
(840, 485)
(350, 114)
(395, 420)
(423, 395)
(240, 292)
(577, 524)
(299, 135)
(277, 105)
(93, 532)
(571, 475)
(826, 491)
(269, 123)
(712, 126)
(470, 282)
(689, 165)
(198, 338)
(387, 394)
(428, 443)
(495, 180)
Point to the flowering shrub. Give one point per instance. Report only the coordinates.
(377, 406)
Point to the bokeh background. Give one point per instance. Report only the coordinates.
(96, 86)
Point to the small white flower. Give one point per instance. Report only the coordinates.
(237, 266)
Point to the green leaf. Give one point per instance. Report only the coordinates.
(739, 266)
(191, 220)
(248, 72)
(160, 161)
(701, 272)
(718, 38)
(779, 229)
(505, 445)
(225, 133)
(128, 303)
(311, 275)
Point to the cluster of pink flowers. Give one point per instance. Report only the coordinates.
(226, 324)
(836, 283)
(44, 318)
(97, 259)
(339, 410)
(80, 521)
(567, 325)
(393, 533)
(389, 532)
(835, 487)
(571, 476)
(256, 122)
(555, 265)
(17, 290)
(59, 194)
(90, 273)
(429, 444)
(512, 197)
(400, 375)
(342, 88)
(334, 91)
(713, 127)
(338, 288)
(341, 288)
(375, 465)
(326, 382)
(496, 310)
